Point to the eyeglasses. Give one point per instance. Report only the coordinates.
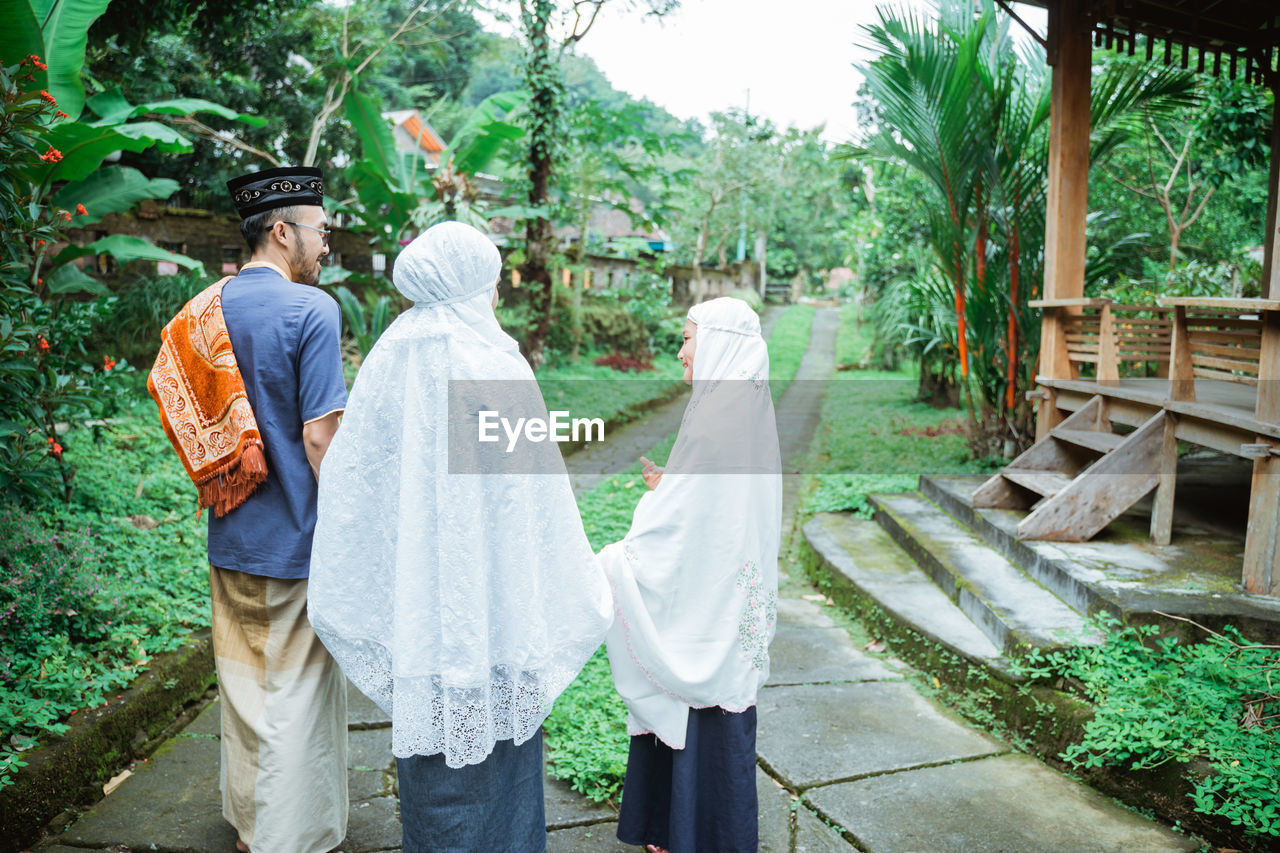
(324, 234)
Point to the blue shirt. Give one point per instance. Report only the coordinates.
(285, 337)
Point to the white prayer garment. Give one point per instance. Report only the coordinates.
(695, 580)
(462, 602)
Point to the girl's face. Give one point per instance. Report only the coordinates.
(686, 352)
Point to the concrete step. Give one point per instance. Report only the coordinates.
(859, 556)
(1126, 575)
(1012, 609)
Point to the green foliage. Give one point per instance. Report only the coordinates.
(141, 307)
(750, 297)
(582, 734)
(101, 584)
(365, 321)
(787, 344)
(874, 436)
(959, 107)
(1160, 700)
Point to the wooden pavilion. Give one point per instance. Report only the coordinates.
(1205, 371)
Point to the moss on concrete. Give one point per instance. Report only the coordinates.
(70, 770)
(1043, 719)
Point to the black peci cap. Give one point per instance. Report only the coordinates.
(269, 189)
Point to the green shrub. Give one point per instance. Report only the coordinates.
(142, 306)
(50, 584)
(748, 296)
(1158, 701)
(614, 328)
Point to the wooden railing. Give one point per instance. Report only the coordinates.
(1115, 340)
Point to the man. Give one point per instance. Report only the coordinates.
(284, 710)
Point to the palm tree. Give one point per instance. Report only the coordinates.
(968, 112)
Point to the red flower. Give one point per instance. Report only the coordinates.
(53, 155)
(44, 344)
(34, 60)
(39, 243)
(107, 362)
(81, 211)
(66, 214)
(55, 449)
(60, 114)
(50, 98)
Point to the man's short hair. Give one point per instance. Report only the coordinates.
(254, 228)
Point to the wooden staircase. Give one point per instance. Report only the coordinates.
(1082, 476)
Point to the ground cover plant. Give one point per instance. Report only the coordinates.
(586, 733)
(92, 588)
(1158, 701)
(874, 436)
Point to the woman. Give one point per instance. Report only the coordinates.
(695, 589)
(460, 597)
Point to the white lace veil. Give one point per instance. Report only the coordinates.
(695, 580)
(461, 602)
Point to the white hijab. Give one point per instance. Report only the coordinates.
(695, 581)
(461, 601)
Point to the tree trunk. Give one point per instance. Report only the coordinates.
(541, 75)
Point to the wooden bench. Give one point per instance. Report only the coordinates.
(1118, 340)
(1215, 339)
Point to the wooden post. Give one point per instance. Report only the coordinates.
(1182, 378)
(1268, 409)
(1262, 542)
(1162, 503)
(1070, 53)
(1108, 355)
(1271, 239)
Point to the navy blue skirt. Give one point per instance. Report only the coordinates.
(492, 806)
(700, 799)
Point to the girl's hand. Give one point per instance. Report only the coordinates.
(651, 473)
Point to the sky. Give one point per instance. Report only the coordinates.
(791, 62)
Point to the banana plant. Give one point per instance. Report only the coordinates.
(366, 321)
(400, 189)
(70, 177)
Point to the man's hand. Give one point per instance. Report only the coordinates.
(651, 473)
(316, 436)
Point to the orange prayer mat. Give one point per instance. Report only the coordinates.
(203, 407)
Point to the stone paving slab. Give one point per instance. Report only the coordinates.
(775, 814)
(813, 655)
(818, 734)
(814, 836)
(1007, 804)
(170, 802)
(597, 838)
(566, 807)
(362, 713)
(799, 613)
(371, 825)
(372, 767)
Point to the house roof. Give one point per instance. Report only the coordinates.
(1219, 37)
(411, 130)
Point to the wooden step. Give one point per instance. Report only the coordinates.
(1047, 483)
(1102, 442)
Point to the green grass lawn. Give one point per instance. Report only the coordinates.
(873, 436)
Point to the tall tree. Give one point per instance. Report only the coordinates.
(543, 77)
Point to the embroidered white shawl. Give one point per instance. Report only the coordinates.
(462, 601)
(695, 580)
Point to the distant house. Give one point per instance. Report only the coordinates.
(413, 134)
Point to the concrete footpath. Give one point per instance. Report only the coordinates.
(851, 755)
